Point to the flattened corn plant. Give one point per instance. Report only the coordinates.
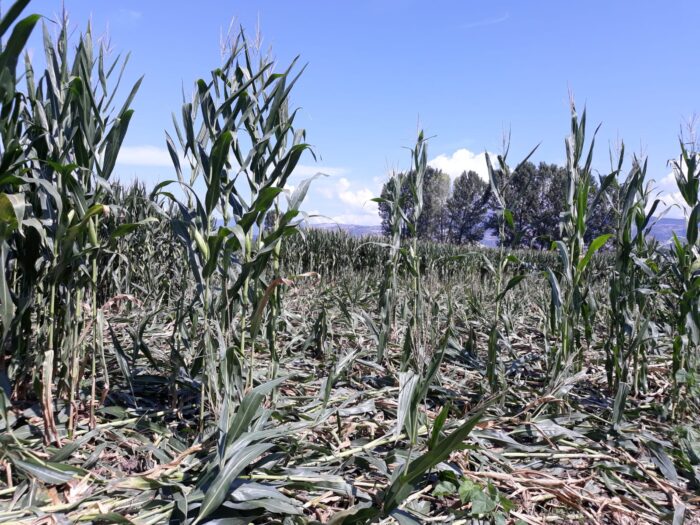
(207, 426)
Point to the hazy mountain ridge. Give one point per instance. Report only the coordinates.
(662, 230)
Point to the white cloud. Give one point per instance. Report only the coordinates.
(460, 161)
(345, 202)
(672, 202)
(675, 204)
(326, 191)
(144, 156)
(343, 184)
(358, 198)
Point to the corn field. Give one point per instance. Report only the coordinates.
(169, 355)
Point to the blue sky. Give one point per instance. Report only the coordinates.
(466, 71)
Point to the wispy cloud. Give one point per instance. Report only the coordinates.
(148, 155)
(309, 171)
(486, 22)
(131, 14)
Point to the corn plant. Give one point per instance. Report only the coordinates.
(15, 292)
(238, 137)
(499, 179)
(403, 219)
(572, 306)
(403, 482)
(632, 283)
(685, 274)
(72, 136)
(388, 291)
(415, 341)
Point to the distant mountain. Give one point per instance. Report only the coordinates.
(353, 229)
(662, 230)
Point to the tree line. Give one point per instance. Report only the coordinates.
(460, 212)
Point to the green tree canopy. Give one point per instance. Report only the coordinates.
(536, 197)
(432, 223)
(467, 208)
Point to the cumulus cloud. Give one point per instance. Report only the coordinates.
(359, 198)
(347, 202)
(460, 161)
(672, 202)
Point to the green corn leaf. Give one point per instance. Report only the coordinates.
(692, 230)
(401, 487)
(437, 426)
(248, 408)
(596, 244)
(125, 229)
(48, 472)
(219, 159)
(11, 15)
(11, 213)
(512, 283)
(18, 39)
(220, 488)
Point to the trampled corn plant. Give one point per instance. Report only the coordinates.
(632, 283)
(406, 478)
(242, 438)
(238, 136)
(684, 265)
(572, 306)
